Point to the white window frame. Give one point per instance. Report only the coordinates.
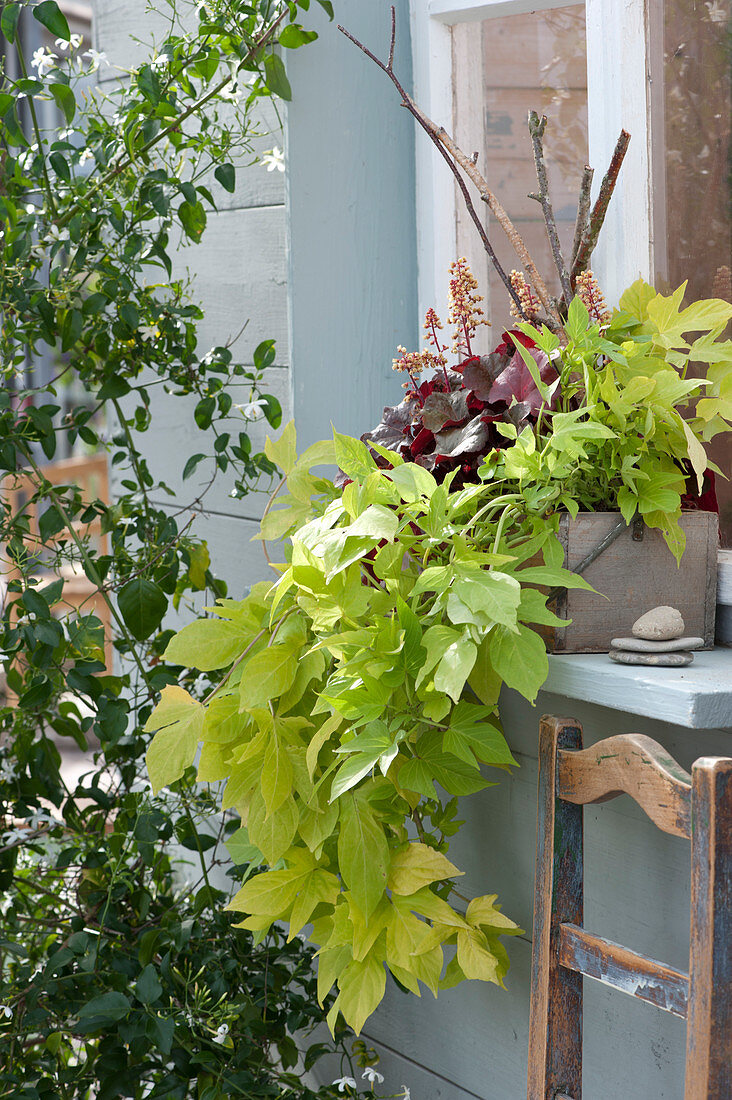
(619, 93)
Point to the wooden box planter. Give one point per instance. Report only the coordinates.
(724, 598)
(636, 572)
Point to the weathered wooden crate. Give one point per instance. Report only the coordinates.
(632, 575)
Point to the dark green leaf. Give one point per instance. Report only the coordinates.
(193, 219)
(226, 175)
(148, 988)
(65, 100)
(277, 81)
(327, 6)
(142, 605)
(9, 21)
(191, 464)
(115, 386)
(103, 1011)
(50, 15)
(71, 328)
(60, 166)
(149, 85)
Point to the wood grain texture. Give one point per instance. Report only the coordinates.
(555, 1023)
(625, 970)
(632, 577)
(709, 1030)
(629, 764)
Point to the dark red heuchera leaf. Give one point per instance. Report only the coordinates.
(706, 501)
(515, 382)
(451, 427)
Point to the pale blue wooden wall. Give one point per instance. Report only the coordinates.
(352, 271)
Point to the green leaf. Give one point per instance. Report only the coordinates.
(65, 100)
(101, 1012)
(149, 84)
(277, 775)
(413, 482)
(294, 36)
(519, 659)
(353, 457)
(271, 892)
(193, 219)
(147, 987)
(497, 594)
(276, 77)
(455, 666)
(418, 865)
(362, 986)
(71, 328)
(577, 321)
(226, 175)
(178, 720)
(363, 853)
(241, 849)
(142, 605)
(207, 644)
(636, 298)
(9, 21)
(475, 959)
(191, 464)
(51, 17)
(283, 451)
(267, 675)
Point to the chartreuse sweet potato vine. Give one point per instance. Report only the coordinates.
(370, 670)
(344, 704)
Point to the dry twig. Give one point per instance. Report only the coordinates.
(454, 157)
(597, 217)
(536, 130)
(583, 210)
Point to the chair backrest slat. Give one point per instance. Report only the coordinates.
(623, 969)
(634, 765)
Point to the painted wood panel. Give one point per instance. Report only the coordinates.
(351, 222)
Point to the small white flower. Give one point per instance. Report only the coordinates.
(96, 57)
(53, 233)
(371, 1075)
(274, 160)
(160, 61)
(221, 1033)
(232, 93)
(405, 1094)
(344, 1083)
(253, 410)
(73, 43)
(86, 154)
(43, 60)
(6, 1011)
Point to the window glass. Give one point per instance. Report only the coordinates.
(503, 68)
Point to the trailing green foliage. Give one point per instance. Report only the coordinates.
(120, 974)
(345, 703)
(359, 692)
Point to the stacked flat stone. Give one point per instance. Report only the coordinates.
(658, 639)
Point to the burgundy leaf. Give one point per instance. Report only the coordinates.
(443, 408)
(516, 381)
(422, 442)
(509, 340)
(393, 431)
(480, 373)
(465, 440)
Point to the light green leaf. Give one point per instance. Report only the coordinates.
(319, 887)
(435, 641)
(475, 958)
(318, 740)
(270, 892)
(362, 986)
(418, 865)
(282, 451)
(455, 666)
(363, 853)
(498, 594)
(413, 482)
(267, 675)
(178, 720)
(353, 457)
(277, 776)
(636, 298)
(207, 644)
(274, 833)
(519, 659)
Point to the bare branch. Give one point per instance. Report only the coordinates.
(583, 210)
(454, 156)
(390, 66)
(537, 126)
(597, 217)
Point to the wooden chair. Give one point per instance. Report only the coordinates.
(696, 806)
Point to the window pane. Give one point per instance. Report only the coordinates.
(503, 68)
(690, 67)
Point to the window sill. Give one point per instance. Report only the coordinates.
(699, 696)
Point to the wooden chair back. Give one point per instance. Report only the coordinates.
(697, 806)
(80, 596)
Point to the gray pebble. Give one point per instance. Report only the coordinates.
(661, 624)
(667, 660)
(642, 645)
